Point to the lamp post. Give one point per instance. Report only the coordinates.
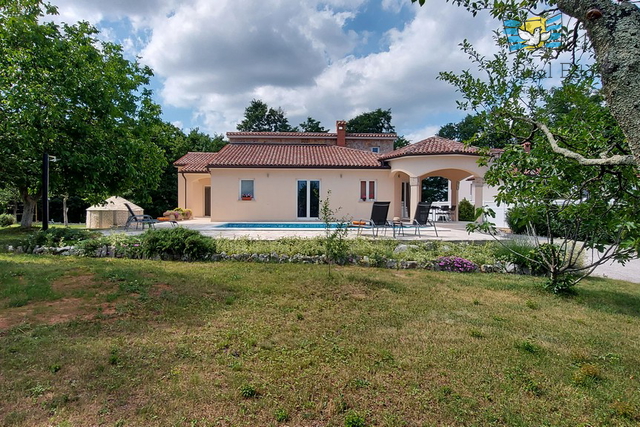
(45, 189)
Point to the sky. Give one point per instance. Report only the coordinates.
(330, 59)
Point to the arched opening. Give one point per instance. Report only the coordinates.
(435, 189)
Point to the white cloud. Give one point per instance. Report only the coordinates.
(215, 56)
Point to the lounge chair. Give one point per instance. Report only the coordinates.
(147, 220)
(378, 220)
(423, 218)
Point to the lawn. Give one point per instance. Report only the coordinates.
(150, 343)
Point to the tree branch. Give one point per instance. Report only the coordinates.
(613, 160)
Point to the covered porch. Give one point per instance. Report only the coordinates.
(437, 157)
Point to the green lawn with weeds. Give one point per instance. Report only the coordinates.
(118, 342)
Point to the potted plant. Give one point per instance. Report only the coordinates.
(173, 215)
(178, 214)
(246, 196)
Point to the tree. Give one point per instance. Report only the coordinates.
(434, 189)
(200, 141)
(174, 144)
(65, 93)
(377, 121)
(400, 142)
(473, 130)
(610, 29)
(576, 208)
(570, 171)
(259, 117)
(312, 125)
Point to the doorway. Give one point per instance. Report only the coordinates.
(308, 205)
(207, 201)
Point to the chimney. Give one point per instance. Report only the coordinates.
(341, 130)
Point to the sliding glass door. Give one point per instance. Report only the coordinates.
(308, 199)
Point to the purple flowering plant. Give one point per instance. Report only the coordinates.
(456, 264)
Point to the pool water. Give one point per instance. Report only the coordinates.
(274, 225)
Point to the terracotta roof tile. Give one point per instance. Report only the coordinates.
(195, 162)
(308, 135)
(294, 156)
(431, 146)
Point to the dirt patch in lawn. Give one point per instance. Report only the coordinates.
(54, 312)
(71, 283)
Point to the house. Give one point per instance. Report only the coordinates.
(283, 176)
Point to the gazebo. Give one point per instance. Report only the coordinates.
(113, 213)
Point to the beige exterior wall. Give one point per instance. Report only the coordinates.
(275, 192)
(191, 186)
(457, 166)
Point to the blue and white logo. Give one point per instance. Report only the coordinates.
(534, 33)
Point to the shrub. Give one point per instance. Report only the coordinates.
(57, 237)
(177, 243)
(336, 246)
(465, 211)
(121, 245)
(456, 264)
(90, 247)
(6, 220)
(516, 251)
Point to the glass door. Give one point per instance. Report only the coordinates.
(308, 199)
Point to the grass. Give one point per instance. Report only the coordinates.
(147, 343)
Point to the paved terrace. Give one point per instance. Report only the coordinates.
(447, 231)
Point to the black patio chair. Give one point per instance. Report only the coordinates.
(378, 220)
(443, 213)
(147, 220)
(423, 218)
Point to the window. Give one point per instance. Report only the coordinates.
(246, 189)
(367, 190)
(375, 149)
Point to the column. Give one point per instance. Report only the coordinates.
(416, 195)
(455, 186)
(478, 185)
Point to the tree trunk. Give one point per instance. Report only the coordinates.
(614, 31)
(64, 210)
(29, 208)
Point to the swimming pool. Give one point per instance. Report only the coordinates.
(277, 225)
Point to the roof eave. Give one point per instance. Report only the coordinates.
(429, 154)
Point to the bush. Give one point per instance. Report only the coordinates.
(6, 220)
(58, 237)
(89, 248)
(465, 211)
(516, 251)
(177, 243)
(121, 245)
(519, 218)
